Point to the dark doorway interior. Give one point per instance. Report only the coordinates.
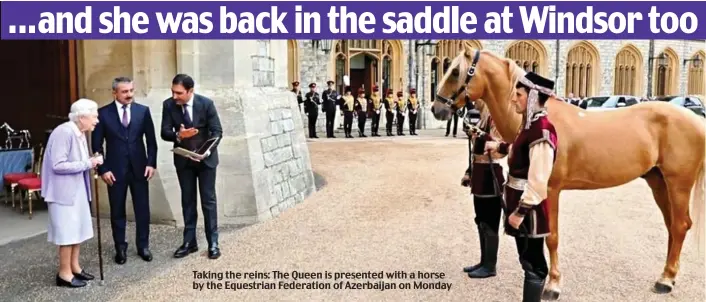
(366, 77)
(40, 83)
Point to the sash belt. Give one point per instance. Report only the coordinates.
(516, 183)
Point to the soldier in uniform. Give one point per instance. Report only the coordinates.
(487, 193)
(361, 110)
(401, 110)
(311, 108)
(330, 98)
(413, 107)
(348, 105)
(298, 93)
(375, 111)
(530, 164)
(390, 104)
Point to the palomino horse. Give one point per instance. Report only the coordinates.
(665, 145)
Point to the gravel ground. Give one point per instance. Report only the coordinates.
(390, 205)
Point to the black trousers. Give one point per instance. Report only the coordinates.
(117, 194)
(400, 123)
(531, 252)
(412, 122)
(375, 123)
(488, 210)
(361, 121)
(198, 173)
(389, 118)
(312, 123)
(348, 121)
(330, 117)
(448, 124)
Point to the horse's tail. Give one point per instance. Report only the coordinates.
(698, 205)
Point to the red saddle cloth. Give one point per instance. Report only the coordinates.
(30, 183)
(16, 177)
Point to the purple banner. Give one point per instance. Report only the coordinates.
(352, 20)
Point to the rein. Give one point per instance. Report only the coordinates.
(471, 72)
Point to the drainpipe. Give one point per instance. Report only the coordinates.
(412, 67)
(557, 51)
(650, 68)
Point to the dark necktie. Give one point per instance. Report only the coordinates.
(187, 118)
(125, 121)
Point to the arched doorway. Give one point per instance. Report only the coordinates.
(695, 81)
(368, 63)
(667, 73)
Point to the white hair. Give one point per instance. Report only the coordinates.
(82, 107)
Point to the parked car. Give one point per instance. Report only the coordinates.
(610, 102)
(693, 103)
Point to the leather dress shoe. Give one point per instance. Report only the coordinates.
(214, 252)
(83, 275)
(145, 254)
(121, 255)
(185, 249)
(75, 282)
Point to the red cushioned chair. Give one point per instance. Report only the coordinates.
(10, 180)
(31, 185)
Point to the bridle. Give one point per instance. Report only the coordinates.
(471, 72)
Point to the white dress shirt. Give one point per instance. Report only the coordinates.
(120, 111)
(190, 108)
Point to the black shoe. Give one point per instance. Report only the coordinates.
(533, 287)
(121, 255)
(487, 268)
(145, 254)
(185, 249)
(75, 282)
(83, 275)
(214, 252)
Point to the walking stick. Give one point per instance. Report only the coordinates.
(98, 222)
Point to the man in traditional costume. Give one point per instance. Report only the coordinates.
(311, 108)
(401, 110)
(390, 104)
(487, 192)
(348, 105)
(530, 162)
(361, 110)
(330, 98)
(413, 107)
(375, 111)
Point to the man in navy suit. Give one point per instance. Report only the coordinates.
(125, 126)
(189, 120)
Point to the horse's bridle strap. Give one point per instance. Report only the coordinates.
(469, 75)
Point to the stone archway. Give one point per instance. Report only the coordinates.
(628, 71)
(695, 80)
(582, 70)
(384, 60)
(530, 55)
(292, 61)
(667, 75)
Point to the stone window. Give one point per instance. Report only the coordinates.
(628, 63)
(581, 70)
(529, 55)
(386, 73)
(292, 61)
(696, 75)
(666, 74)
(447, 51)
(263, 65)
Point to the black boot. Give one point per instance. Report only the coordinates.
(487, 268)
(532, 290)
(481, 238)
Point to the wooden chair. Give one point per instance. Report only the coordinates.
(11, 180)
(32, 185)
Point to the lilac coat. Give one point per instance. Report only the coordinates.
(65, 170)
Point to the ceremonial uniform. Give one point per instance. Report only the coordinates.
(361, 110)
(330, 98)
(298, 93)
(413, 107)
(390, 109)
(531, 159)
(486, 178)
(376, 108)
(348, 106)
(401, 110)
(311, 107)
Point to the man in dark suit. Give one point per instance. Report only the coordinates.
(126, 126)
(189, 120)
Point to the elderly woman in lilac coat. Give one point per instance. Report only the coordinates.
(66, 190)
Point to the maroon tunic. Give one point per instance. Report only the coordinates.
(536, 222)
(482, 184)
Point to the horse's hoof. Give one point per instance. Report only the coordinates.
(663, 287)
(550, 294)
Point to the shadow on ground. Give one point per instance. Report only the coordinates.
(319, 181)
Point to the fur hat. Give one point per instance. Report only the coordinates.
(361, 90)
(312, 85)
(347, 89)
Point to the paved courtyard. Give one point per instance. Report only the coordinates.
(388, 204)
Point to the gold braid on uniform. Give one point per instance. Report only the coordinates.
(349, 102)
(376, 101)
